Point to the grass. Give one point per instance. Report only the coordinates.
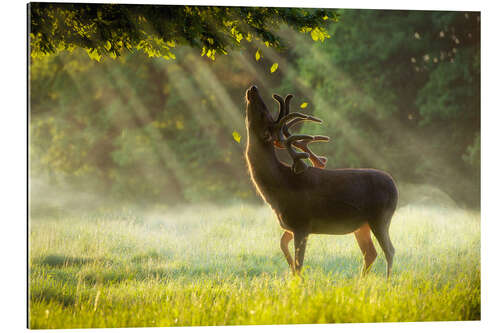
(209, 265)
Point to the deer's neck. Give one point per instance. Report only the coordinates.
(265, 168)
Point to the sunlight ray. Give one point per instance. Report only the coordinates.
(231, 114)
(206, 116)
(165, 155)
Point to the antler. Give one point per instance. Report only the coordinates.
(284, 139)
(317, 161)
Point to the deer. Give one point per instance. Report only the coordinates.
(312, 199)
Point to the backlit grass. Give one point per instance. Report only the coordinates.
(209, 265)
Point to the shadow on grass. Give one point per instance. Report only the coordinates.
(226, 271)
(68, 272)
(236, 266)
(152, 255)
(56, 260)
(231, 267)
(51, 295)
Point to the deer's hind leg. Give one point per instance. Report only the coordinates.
(367, 248)
(285, 240)
(381, 232)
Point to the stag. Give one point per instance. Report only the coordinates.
(311, 199)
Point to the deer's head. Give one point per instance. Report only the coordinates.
(277, 132)
(258, 117)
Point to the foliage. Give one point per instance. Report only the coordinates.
(209, 265)
(112, 29)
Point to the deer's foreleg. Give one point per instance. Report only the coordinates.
(366, 245)
(300, 241)
(285, 240)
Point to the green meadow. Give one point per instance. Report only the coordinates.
(212, 265)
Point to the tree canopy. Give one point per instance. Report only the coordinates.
(111, 29)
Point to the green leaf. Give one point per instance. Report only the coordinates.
(274, 67)
(257, 55)
(236, 136)
(303, 105)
